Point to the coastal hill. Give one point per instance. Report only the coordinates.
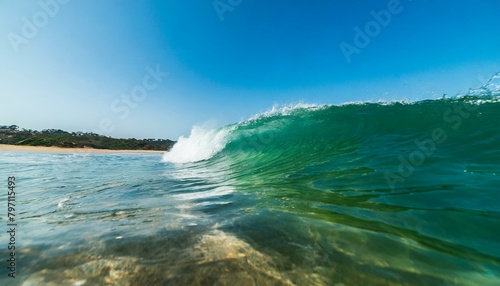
(58, 138)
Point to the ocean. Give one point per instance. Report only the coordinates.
(388, 193)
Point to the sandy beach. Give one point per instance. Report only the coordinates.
(17, 148)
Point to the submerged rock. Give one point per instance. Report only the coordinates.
(214, 259)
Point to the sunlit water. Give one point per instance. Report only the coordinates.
(305, 195)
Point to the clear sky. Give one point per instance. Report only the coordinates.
(154, 68)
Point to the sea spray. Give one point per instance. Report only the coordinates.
(293, 196)
(200, 145)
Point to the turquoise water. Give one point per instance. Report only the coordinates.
(358, 194)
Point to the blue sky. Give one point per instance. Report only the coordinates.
(74, 65)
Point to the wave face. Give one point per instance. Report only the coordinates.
(400, 191)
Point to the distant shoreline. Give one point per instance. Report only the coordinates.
(41, 149)
(77, 141)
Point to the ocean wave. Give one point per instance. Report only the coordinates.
(201, 144)
(285, 125)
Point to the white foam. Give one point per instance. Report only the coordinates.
(60, 205)
(287, 109)
(218, 192)
(202, 144)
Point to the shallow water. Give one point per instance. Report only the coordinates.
(307, 195)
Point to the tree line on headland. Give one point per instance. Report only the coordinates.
(14, 135)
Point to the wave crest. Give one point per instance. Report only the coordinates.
(300, 121)
(201, 144)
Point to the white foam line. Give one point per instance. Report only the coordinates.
(220, 191)
(202, 144)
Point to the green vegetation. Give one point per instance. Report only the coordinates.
(55, 137)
